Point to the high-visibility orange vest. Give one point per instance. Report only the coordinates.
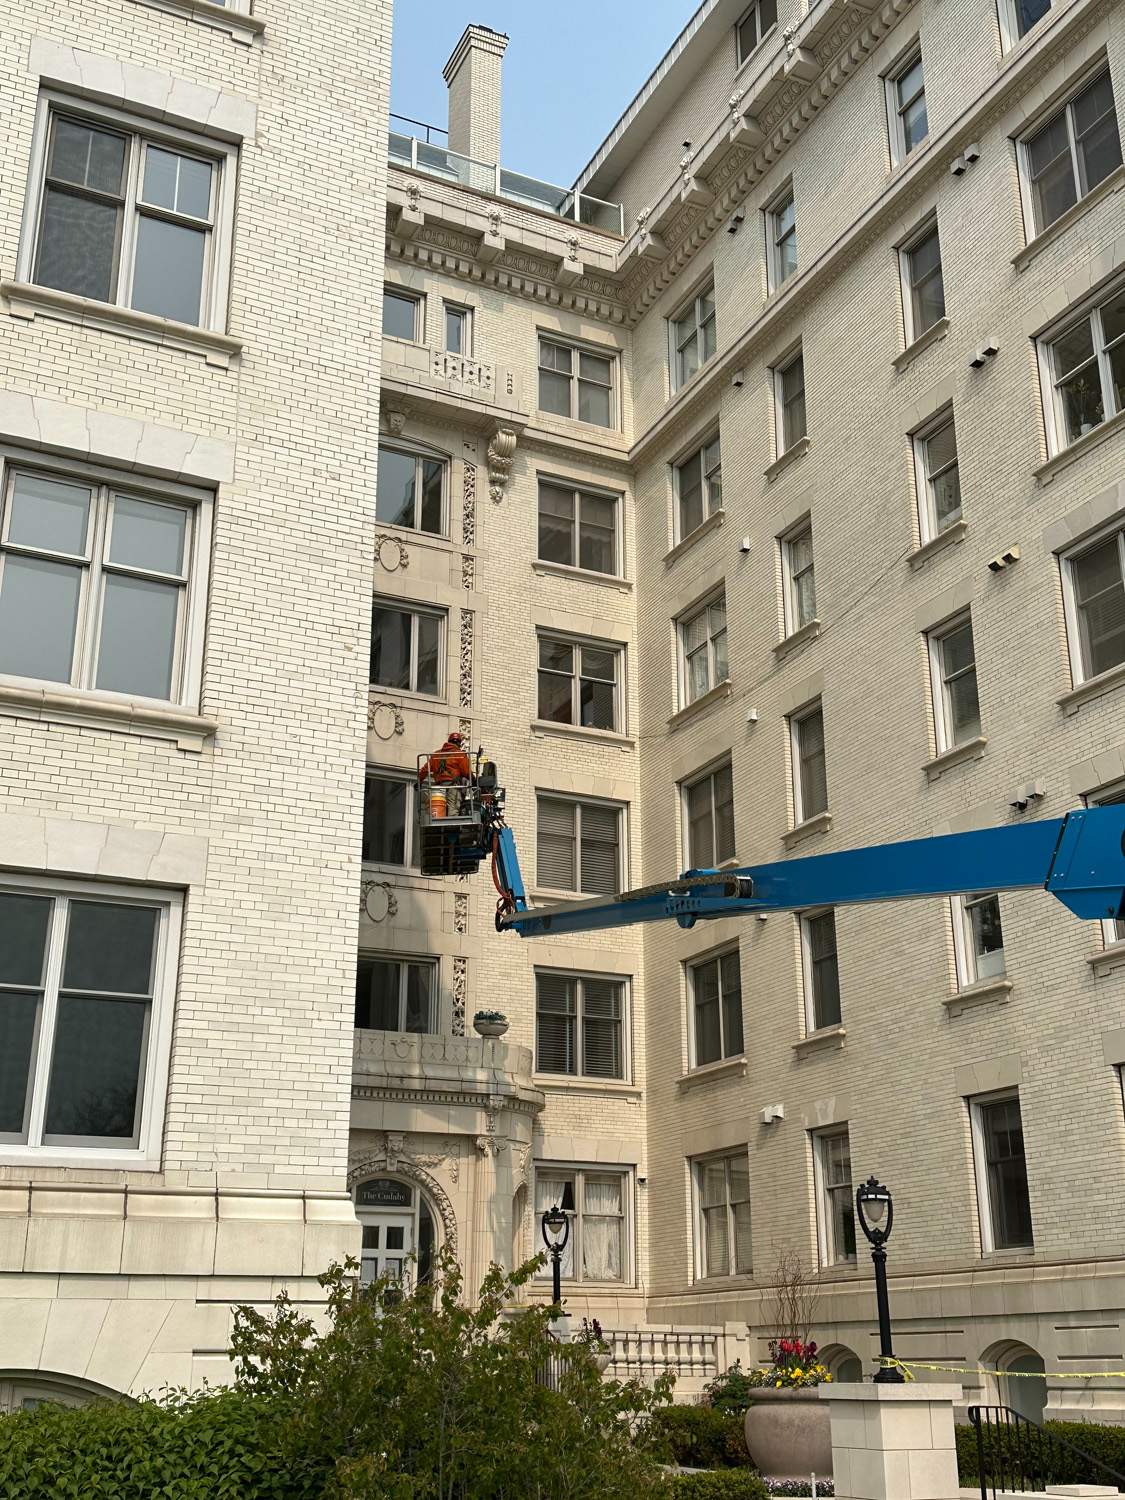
(450, 763)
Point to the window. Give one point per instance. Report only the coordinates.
(388, 819)
(1084, 371)
(410, 491)
(578, 846)
(137, 218)
(760, 18)
(102, 587)
(832, 1168)
(789, 384)
(703, 649)
(923, 291)
(953, 671)
(716, 1003)
(402, 315)
(978, 939)
(87, 981)
(722, 1192)
(1002, 1195)
(579, 1025)
(1095, 605)
(1017, 17)
(693, 337)
(781, 234)
(1113, 931)
(458, 329)
(709, 819)
(577, 528)
(800, 581)
(938, 477)
(576, 383)
(595, 1201)
(396, 994)
(1068, 156)
(579, 683)
(821, 970)
(810, 779)
(906, 108)
(699, 487)
(406, 649)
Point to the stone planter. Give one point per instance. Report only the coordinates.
(789, 1433)
(603, 1360)
(489, 1028)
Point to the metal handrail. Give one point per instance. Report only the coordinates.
(422, 125)
(1013, 1452)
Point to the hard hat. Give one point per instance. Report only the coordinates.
(455, 738)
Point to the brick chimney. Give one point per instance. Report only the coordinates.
(472, 75)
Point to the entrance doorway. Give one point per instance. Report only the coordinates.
(398, 1231)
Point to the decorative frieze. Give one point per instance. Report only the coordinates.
(460, 983)
(465, 673)
(469, 506)
(473, 373)
(460, 919)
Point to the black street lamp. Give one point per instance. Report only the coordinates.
(555, 1225)
(873, 1205)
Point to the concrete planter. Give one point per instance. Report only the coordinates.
(489, 1028)
(789, 1433)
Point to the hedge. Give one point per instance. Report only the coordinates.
(701, 1437)
(1064, 1467)
(719, 1484)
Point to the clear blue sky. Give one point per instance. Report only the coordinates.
(569, 71)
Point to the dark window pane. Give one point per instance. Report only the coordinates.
(419, 987)
(180, 183)
(597, 704)
(38, 616)
(732, 1005)
(708, 1045)
(17, 1036)
(148, 536)
(724, 814)
(1030, 11)
(554, 393)
(78, 245)
(594, 404)
(136, 652)
(24, 923)
(87, 157)
(110, 948)
(429, 654)
(390, 647)
(168, 269)
(555, 697)
(96, 1068)
(394, 492)
(48, 514)
(431, 496)
(376, 994)
(399, 316)
(556, 525)
(384, 820)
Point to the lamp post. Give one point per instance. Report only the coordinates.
(555, 1225)
(873, 1206)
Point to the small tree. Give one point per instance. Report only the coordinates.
(794, 1295)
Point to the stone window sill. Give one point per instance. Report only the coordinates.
(970, 750)
(55, 706)
(986, 992)
(552, 1083)
(933, 335)
(796, 639)
(377, 694)
(581, 732)
(1093, 687)
(241, 27)
(807, 830)
(701, 705)
(712, 523)
(790, 456)
(827, 1039)
(1112, 184)
(582, 575)
(729, 1067)
(28, 302)
(1080, 447)
(938, 544)
(1109, 959)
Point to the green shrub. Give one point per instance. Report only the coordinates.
(701, 1437)
(1064, 1466)
(720, 1484)
(732, 1391)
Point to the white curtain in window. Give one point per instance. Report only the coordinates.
(601, 1229)
(548, 1192)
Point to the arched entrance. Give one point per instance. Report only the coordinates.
(399, 1229)
(1022, 1383)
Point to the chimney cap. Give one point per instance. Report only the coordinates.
(474, 35)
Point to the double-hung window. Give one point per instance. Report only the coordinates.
(579, 1025)
(699, 487)
(906, 107)
(760, 18)
(396, 994)
(810, 777)
(579, 683)
(403, 315)
(716, 1003)
(953, 675)
(937, 476)
(87, 984)
(1094, 594)
(799, 595)
(978, 938)
(1001, 1171)
(703, 649)
(410, 490)
(832, 1168)
(1066, 158)
(102, 586)
(693, 337)
(709, 818)
(923, 290)
(406, 648)
(458, 330)
(134, 216)
(722, 1196)
(1083, 371)
(576, 383)
(821, 969)
(388, 818)
(578, 846)
(1017, 17)
(781, 233)
(578, 528)
(596, 1202)
(789, 394)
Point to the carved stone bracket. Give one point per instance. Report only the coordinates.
(395, 419)
(488, 1145)
(377, 898)
(385, 719)
(501, 451)
(391, 553)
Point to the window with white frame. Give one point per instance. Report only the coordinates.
(407, 645)
(458, 330)
(699, 487)
(1083, 370)
(578, 528)
(693, 336)
(388, 818)
(87, 987)
(596, 1202)
(821, 969)
(402, 315)
(576, 383)
(953, 675)
(410, 490)
(1001, 1172)
(139, 216)
(103, 584)
(760, 18)
(579, 1025)
(580, 682)
(578, 845)
(937, 476)
(978, 937)
(835, 1198)
(709, 818)
(1017, 17)
(396, 994)
(810, 776)
(781, 238)
(799, 595)
(703, 649)
(789, 392)
(1094, 596)
(722, 1215)
(1113, 931)
(1066, 158)
(715, 987)
(923, 289)
(906, 107)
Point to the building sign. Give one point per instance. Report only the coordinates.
(384, 1192)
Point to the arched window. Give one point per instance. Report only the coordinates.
(24, 1390)
(1022, 1384)
(399, 1230)
(844, 1364)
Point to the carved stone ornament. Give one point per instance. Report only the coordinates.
(469, 506)
(460, 917)
(391, 553)
(460, 977)
(378, 899)
(642, 217)
(465, 674)
(501, 452)
(789, 33)
(495, 221)
(735, 100)
(370, 1164)
(468, 571)
(572, 247)
(396, 421)
(488, 1145)
(413, 197)
(385, 719)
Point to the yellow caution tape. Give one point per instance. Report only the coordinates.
(907, 1366)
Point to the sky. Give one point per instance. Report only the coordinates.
(571, 68)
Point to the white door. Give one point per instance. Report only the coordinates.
(388, 1239)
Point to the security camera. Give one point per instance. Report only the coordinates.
(738, 218)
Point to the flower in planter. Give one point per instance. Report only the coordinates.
(794, 1366)
(490, 1015)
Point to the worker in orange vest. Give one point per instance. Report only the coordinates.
(449, 764)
